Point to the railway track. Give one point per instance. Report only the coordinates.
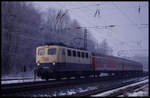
(110, 87)
(8, 89)
(18, 88)
(124, 90)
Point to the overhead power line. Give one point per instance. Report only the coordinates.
(126, 16)
(116, 39)
(96, 27)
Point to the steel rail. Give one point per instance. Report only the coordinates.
(10, 89)
(106, 88)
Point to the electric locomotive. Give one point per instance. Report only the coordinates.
(56, 61)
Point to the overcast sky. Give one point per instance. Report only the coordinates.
(131, 22)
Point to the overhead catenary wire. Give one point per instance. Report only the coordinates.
(105, 37)
(86, 6)
(94, 27)
(105, 22)
(124, 14)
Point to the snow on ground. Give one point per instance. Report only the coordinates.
(135, 78)
(14, 77)
(104, 74)
(115, 90)
(65, 92)
(20, 81)
(73, 91)
(140, 93)
(28, 77)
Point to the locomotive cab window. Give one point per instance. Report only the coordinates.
(41, 52)
(69, 52)
(52, 51)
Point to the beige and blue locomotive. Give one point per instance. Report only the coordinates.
(55, 61)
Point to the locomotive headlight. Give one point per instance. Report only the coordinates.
(53, 63)
(38, 64)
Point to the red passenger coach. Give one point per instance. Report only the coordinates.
(102, 63)
(98, 62)
(111, 64)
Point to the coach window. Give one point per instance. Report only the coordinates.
(41, 52)
(52, 51)
(86, 55)
(78, 53)
(74, 53)
(69, 52)
(82, 54)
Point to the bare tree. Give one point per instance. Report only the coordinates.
(20, 25)
(103, 48)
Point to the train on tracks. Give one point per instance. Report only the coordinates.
(56, 61)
